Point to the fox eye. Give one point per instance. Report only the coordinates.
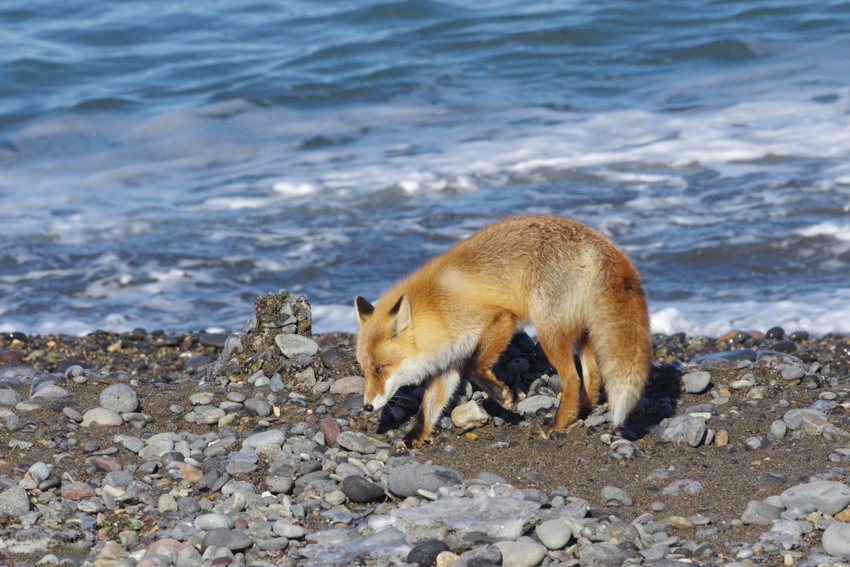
(379, 370)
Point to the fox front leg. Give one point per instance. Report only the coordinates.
(491, 342)
(438, 391)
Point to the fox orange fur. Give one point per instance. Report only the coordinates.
(456, 314)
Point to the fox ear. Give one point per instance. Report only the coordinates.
(402, 318)
(364, 309)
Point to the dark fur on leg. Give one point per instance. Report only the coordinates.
(420, 430)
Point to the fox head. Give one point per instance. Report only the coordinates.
(384, 343)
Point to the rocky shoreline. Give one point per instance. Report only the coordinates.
(153, 449)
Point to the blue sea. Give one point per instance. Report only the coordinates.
(164, 163)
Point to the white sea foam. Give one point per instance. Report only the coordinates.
(219, 203)
(818, 313)
(334, 317)
(295, 189)
(113, 322)
(839, 231)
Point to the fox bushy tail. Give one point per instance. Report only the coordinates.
(623, 352)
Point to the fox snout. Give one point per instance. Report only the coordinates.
(375, 396)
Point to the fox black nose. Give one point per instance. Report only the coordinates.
(368, 407)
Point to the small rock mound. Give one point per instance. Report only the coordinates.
(276, 346)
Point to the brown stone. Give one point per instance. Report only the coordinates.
(111, 550)
(146, 498)
(348, 385)
(721, 438)
(109, 464)
(168, 542)
(77, 491)
(190, 473)
(843, 515)
(729, 336)
(331, 428)
(13, 355)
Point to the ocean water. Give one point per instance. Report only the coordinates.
(161, 165)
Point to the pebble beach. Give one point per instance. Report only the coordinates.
(156, 449)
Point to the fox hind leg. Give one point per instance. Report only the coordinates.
(490, 345)
(558, 346)
(589, 373)
(438, 392)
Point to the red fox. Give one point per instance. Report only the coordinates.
(457, 313)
